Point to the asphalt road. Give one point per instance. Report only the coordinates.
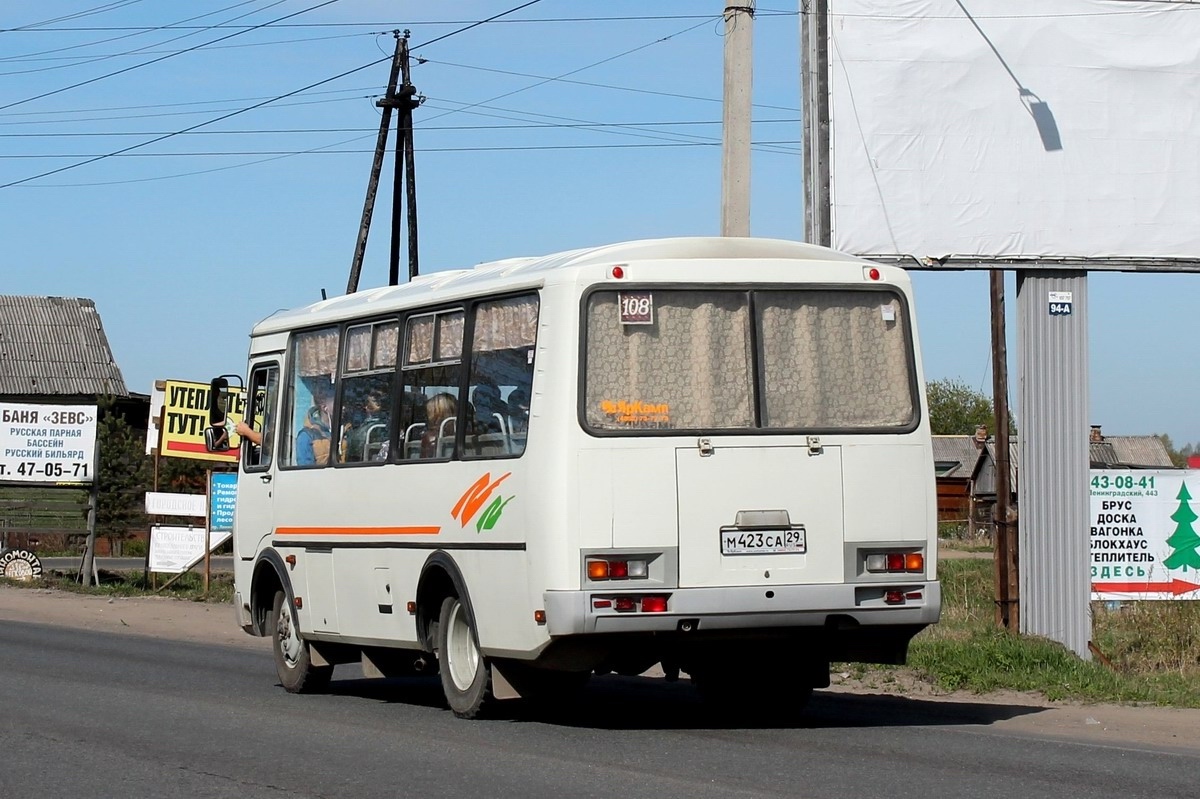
(95, 714)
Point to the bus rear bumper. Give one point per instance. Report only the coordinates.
(744, 607)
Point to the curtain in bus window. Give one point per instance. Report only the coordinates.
(317, 352)
(450, 336)
(689, 368)
(358, 348)
(506, 324)
(834, 359)
(420, 339)
(387, 342)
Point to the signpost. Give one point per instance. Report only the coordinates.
(1145, 541)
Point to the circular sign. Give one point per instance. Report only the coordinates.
(20, 564)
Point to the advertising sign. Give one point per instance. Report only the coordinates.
(174, 550)
(164, 504)
(1145, 540)
(222, 498)
(184, 417)
(47, 443)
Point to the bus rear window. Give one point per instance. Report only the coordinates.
(812, 359)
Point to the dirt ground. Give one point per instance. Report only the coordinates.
(160, 617)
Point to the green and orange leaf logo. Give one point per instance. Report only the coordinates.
(475, 497)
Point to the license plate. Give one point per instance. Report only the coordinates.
(763, 542)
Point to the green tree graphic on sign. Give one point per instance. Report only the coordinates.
(1185, 543)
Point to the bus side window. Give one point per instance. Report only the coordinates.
(260, 415)
(368, 381)
(309, 415)
(430, 373)
(502, 353)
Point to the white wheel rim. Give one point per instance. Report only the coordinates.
(289, 642)
(462, 655)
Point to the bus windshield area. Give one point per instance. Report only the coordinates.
(816, 359)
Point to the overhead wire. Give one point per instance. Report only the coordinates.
(419, 23)
(77, 15)
(260, 104)
(163, 58)
(33, 56)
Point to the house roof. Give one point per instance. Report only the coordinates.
(55, 346)
(1139, 451)
(955, 455)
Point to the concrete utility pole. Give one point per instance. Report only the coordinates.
(735, 140)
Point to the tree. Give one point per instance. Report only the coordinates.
(123, 476)
(1185, 543)
(956, 409)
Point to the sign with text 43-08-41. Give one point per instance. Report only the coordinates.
(47, 443)
(1145, 534)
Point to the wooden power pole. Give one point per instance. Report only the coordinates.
(1005, 537)
(404, 98)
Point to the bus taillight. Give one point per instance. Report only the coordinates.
(654, 604)
(617, 569)
(895, 562)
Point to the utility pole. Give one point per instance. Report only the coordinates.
(405, 99)
(1005, 538)
(735, 139)
(814, 38)
(408, 103)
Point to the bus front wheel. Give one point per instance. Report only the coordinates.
(293, 661)
(466, 679)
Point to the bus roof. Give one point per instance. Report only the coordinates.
(492, 273)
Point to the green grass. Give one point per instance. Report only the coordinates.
(190, 586)
(1154, 648)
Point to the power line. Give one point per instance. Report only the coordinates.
(568, 125)
(162, 58)
(77, 15)
(590, 84)
(256, 105)
(412, 24)
(25, 56)
(461, 149)
(81, 60)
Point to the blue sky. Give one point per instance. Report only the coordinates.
(571, 123)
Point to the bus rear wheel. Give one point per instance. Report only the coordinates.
(466, 678)
(293, 660)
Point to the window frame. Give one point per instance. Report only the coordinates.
(265, 365)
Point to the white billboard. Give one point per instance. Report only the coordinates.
(1015, 128)
(47, 443)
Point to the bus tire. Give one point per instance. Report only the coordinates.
(466, 677)
(293, 661)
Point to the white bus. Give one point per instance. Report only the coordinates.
(711, 454)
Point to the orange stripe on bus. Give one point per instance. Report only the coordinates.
(357, 530)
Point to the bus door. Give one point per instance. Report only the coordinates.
(255, 516)
(769, 515)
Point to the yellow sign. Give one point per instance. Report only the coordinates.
(184, 417)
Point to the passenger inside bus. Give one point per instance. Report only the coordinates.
(312, 442)
(366, 435)
(488, 416)
(518, 410)
(440, 411)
